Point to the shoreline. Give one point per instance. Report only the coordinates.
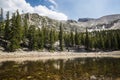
(21, 56)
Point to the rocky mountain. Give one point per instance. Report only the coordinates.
(41, 21)
(105, 22)
(85, 19)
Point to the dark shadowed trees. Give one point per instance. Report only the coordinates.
(61, 37)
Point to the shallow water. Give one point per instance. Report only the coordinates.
(71, 69)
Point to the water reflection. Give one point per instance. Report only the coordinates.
(75, 69)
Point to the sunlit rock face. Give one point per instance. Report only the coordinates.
(103, 23)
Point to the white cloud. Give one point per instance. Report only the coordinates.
(22, 5)
(52, 7)
(53, 2)
(43, 10)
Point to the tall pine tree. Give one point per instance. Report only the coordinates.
(61, 37)
(40, 39)
(7, 27)
(33, 39)
(15, 36)
(87, 40)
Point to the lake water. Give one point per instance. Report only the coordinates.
(71, 69)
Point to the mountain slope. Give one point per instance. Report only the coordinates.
(105, 22)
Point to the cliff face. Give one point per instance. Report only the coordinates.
(43, 21)
(105, 22)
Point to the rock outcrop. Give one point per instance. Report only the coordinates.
(102, 23)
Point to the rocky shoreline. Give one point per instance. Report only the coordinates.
(35, 55)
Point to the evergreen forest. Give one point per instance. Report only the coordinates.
(15, 34)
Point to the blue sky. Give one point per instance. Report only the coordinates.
(63, 9)
(82, 8)
(39, 2)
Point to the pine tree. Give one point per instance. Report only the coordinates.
(82, 39)
(109, 46)
(56, 38)
(33, 38)
(1, 15)
(66, 41)
(24, 30)
(102, 38)
(40, 39)
(25, 27)
(90, 40)
(52, 35)
(87, 40)
(118, 37)
(7, 27)
(72, 38)
(77, 40)
(114, 40)
(61, 37)
(2, 26)
(16, 33)
(45, 36)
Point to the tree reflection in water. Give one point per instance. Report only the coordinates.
(71, 69)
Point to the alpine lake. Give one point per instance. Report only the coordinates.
(68, 69)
